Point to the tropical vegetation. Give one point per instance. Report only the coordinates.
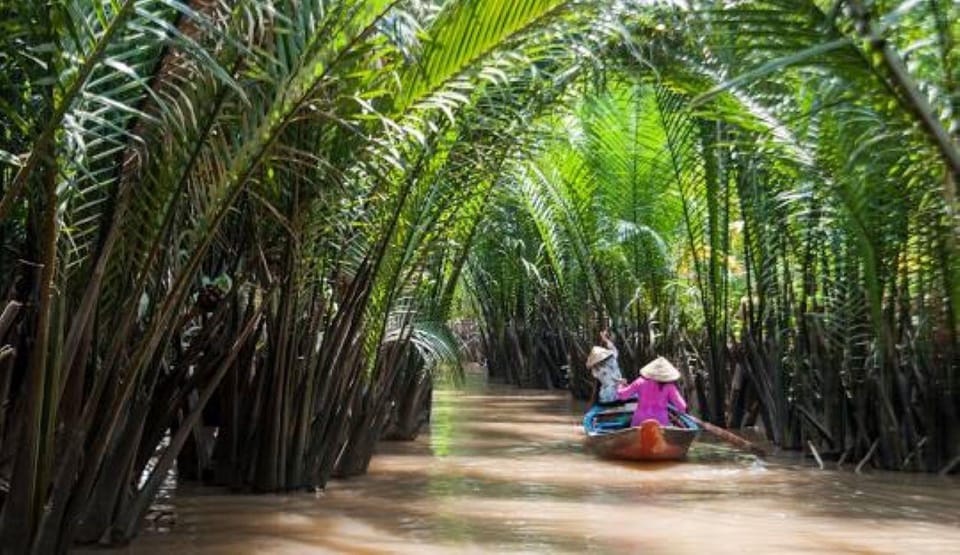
(232, 233)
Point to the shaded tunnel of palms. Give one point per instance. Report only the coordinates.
(261, 218)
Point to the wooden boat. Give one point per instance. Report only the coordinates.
(610, 435)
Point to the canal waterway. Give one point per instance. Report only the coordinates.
(503, 471)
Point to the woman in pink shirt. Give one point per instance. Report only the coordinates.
(654, 390)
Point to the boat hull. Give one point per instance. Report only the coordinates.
(647, 442)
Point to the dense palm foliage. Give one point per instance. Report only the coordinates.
(255, 216)
(766, 192)
(243, 222)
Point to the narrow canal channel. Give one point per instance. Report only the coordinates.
(502, 471)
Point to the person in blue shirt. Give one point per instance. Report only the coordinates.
(602, 363)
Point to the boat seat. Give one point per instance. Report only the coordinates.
(612, 424)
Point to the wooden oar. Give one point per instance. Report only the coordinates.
(728, 436)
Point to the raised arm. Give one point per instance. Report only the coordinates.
(607, 342)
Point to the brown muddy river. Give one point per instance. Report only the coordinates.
(503, 471)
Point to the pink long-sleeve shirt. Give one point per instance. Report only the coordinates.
(652, 400)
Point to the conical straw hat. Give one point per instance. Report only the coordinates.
(660, 370)
(598, 355)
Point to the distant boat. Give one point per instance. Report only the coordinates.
(610, 435)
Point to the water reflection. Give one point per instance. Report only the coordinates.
(503, 471)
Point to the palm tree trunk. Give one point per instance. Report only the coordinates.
(21, 511)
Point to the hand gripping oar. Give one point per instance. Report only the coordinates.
(725, 435)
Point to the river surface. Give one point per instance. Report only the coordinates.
(503, 471)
